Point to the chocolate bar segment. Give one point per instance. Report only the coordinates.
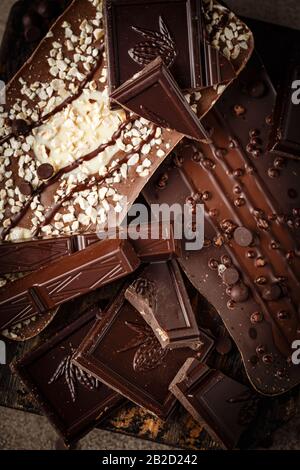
(24, 256)
(123, 353)
(154, 95)
(160, 296)
(249, 267)
(222, 405)
(140, 31)
(68, 278)
(285, 136)
(73, 400)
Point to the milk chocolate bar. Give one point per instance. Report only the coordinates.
(25, 256)
(154, 95)
(285, 138)
(65, 279)
(222, 405)
(73, 400)
(249, 266)
(139, 32)
(160, 296)
(122, 352)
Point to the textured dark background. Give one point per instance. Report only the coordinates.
(24, 431)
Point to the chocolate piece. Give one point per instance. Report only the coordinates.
(269, 213)
(122, 351)
(65, 279)
(25, 188)
(73, 400)
(154, 95)
(31, 255)
(45, 171)
(285, 138)
(160, 296)
(139, 32)
(243, 236)
(230, 276)
(222, 405)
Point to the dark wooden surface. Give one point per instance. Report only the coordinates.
(180, 430)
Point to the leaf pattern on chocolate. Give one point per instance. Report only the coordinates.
(147, 290)
(149, 353)
(73, 375)
(157, 44)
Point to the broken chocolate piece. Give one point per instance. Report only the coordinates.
(224, 406)
(160, 296)
(122, 351)
(154, 95)
(139, 32)
(65, 279)
(73, 400)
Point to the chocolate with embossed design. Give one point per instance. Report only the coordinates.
(122, 351)
(160, 296)
(139, 31)
(65, 279)
(154, 95)
(222, 405)
(73, 401)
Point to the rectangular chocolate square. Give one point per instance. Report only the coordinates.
(224, 406)
(139, 31)
(73, 401)
(160, 296)
(123, 353)
(154, 95)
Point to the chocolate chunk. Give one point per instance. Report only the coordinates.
(25, 188)
(45, 171)
(272, 292)
(239, 293)
(139, 32)
(122, 352)
(30, 255)
(230, 276)
(154, 95)
(243, 236)
(65, 279)
(160, 296)
(284, 138)
(224, 406)
(73, 400)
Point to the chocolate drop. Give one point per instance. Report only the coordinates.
(45, 171)
(243, 236)
(240, 293)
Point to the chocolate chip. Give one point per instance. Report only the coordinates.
(260, 350)
(239, 110)
(267, 358)
(223, 345)
(45, 171)
(230, 276)
(213, 264)
(256, 317)
(240, 293)
(243, 236)
(272, 292)
(25, 188)
(273, 173)
(19, 126)
(257, 89)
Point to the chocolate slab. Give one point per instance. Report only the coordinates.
(123, 353)
(222, 405)
(73, 400)
(160, 296)
(139, 32)
(250, 198)
(285, 137)
(154, 95)
(68, 278)
(25, 256)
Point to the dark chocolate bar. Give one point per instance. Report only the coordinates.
(160, 296)
(285, 135)
(154, 95)
(25, 256)
(122, 351)
(222, 405)
(249, 266)
(65, 279)
(139, 31)
(73, 400)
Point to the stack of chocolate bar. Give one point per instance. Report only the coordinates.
(159, 100)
